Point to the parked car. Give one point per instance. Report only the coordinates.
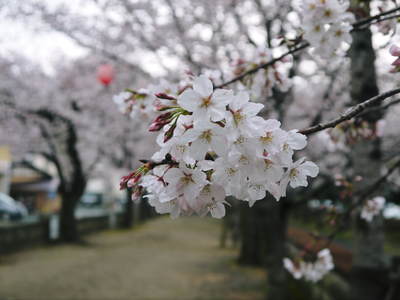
(11, 209)
(91, 200)
(391, 211)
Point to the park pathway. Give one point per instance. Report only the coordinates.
(162, 259)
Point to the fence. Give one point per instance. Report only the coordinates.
(16, 236)
(23, 235)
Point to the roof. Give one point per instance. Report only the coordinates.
(27, 177)
(42, 185)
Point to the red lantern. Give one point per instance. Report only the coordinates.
(105, 74)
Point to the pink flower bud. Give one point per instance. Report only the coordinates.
(170, 133)
(136, 194)
(160, 121)
(130, 183)
(165, 96)
(123, 184)
(395, 70)
(394, 50)
(396, 63)
(162, 107)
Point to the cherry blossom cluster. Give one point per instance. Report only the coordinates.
(310, 271)
(372, 208)
(144, 103)
(327, 26)
(264, 80)
(385, 26)
(213, 145)
(350, 133)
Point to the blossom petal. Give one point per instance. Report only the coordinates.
(222, 96)
(251, 109)
(218, 211)
(173, 175)
(298, 180)
(217, 114)
(271, 124)
(189, 100)
(309, 168)
(296, 141)
(203, 86)
(198, 149)
(239, 101)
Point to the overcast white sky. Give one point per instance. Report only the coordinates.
(47, 48)
(43, 48)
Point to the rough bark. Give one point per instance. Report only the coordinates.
(62, 139)
(369, 267)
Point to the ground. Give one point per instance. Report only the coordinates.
(162, 259)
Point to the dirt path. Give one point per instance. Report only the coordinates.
(163, 259)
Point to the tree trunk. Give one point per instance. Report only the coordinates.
(68, 224)
(251, 249)
(276, 238)
(128, 212)
(369, 271)
(263, 230)
(145, 210)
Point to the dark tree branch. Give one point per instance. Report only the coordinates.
(263, 66)
(360, 200)
(347, 214)
(378, 108)
(356, 26)
(375, 18)
(351, 112)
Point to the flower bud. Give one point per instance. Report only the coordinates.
(170, 133)
(165, 96)
(396, 63)
(394, 50)
(136, 194)
(123, 184)
(160, 121)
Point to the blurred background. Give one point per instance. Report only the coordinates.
(68, 232)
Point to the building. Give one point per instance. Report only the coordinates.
(5, 169)
(34, 188)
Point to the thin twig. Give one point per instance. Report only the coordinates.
(263, 65)
(376, 22)
(378, 108)
(356, 26)
(351, 112)
(376, 17)
(359, 201)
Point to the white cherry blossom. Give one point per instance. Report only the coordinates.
(212, 200)
(296, 174)
(186, 182)
(204, 137)
(308, 270)
(213, 144)
(272, 139)
(372, 208)
(242, 117)
(203, 102)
